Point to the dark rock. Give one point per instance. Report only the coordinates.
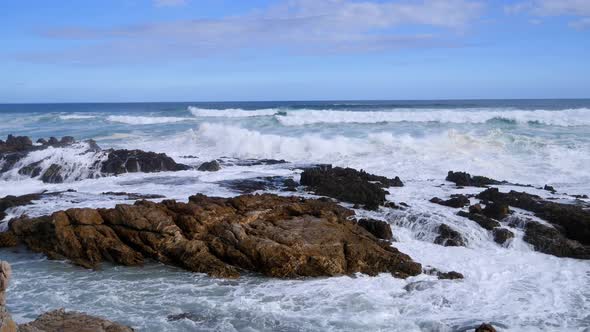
(210, 166)
(380, 229)
(42, 141)
(8, 239)
(33, 170)
(92, 146)
(449, 237)
(52, 141)
(580, 196)
(480, 219)
(133, 196)
(290, 185)
(501, 235)
(496, 211)
(53, 174)
(349, 185)
(475, 208)
(466, 180)
(550, 241)
(573, 221)
(273, 235)
(16, 143)
(458, 201)
(67, 140)
(451, 275)
(10, 201)
(549, 188)
(485, 328)
(131, 161)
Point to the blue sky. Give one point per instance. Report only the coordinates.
(221, 50)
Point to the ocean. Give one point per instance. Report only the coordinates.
(536, 142)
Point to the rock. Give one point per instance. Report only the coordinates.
(380, 229)
(501, 235)
(247, 186)
(133, 196)
(131, 161)
(475, 208)
(549, 188)
(549, 240)
(16, 143)
(466, 180)
(496, 211)
(210, 166)
(480, 219)
(458, 201)
(277, 236)
(8, 239)
(6, 322)
(250, 162)
(451, 275)
(62, 321)
(449, 237)
(67, 140)
(42, 141)
(349, 185)
(573, 221)
(53, 174)
(485, 328)
(52, 141)
(10, 201)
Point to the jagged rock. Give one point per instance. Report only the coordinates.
(496, 210)
(349, 185)
(480, 219)
(273, 235)
(53, 174)
(15, 143)
(250, 162)
(549, 240)
(485, 328)
(379, 228)
(501, 235)
(475, 208)
(549, 188)
(449, 237)
(133, 196)
(210, 166)
(131, 161)
(247, 186)
(62, 321)
(573, 221)
(451, 275)
(8, 239)
(10, 201)
(457, 201)
(466, 180)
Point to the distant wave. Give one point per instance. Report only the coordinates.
(145, 120)
(231, 112)
(76, 117)
(571, 117)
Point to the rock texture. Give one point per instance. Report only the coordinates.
(10, 201)
(131, 161)
(380, 229)
(485, 328)
(210, 166)
(449, 237)
(349, 185)
(273, 235)
(62, 321)
(456, 201)
(6, 322)
(549, 240)
(466, 180)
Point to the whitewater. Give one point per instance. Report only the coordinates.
(535, 142)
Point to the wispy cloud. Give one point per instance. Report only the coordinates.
(579, 9)
(302, 26)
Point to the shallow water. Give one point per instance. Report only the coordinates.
(533, 142)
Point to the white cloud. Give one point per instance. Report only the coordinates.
(541, 8)
(302, 26)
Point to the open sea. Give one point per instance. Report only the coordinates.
(533, 142)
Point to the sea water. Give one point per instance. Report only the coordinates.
(533, 142)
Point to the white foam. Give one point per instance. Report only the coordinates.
(570, 117)
(231, 112)
(145, 120)
(76, 117)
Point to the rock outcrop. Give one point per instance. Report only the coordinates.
(10, 201)
(466, 180)
(106, 162)
(448, 237)
(273, 235)
(548, 240)
(349, 185)
(6, 322)
(379, 228)
(210, 166)
(456, 201)
(485, 327)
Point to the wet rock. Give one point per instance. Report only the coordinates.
(458, 201)
(42, 141)
(250, 162)
(481, 220)
(475, 208)
(8, 239)
(572, 220)
(247, 186)
(380, 229)
(62, 321)
(549, 188)
(549, 240)
(451, 275)
(485, 328)
(466, 180)
(15, 144)
(131, 161)
(10, 201)
(448, 237)
(133, 196)
(501, 235)
(276, 236)
(496, 211)
(210, 166)
(52, 141)
(6, 322)
(349, 185)
(52, 174)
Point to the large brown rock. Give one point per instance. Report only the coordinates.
(6, 322)
(62, 321)
(273, 235)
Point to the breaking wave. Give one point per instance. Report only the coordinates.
(231, 112)
(145, 120)
(76, 117)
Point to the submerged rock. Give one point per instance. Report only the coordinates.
(451, 275)
(379, 228)
(480, 219)
(457, 201)
(466, 180)
(501, 235)
(276, 236)
(210, 166)
(349, 185)
(10, 201)
(549, 240)
(449, 237)
(131, 161)
(573, 221)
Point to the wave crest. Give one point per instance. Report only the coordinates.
(231, 112)
(145, 120)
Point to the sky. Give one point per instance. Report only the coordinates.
(223, 50)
